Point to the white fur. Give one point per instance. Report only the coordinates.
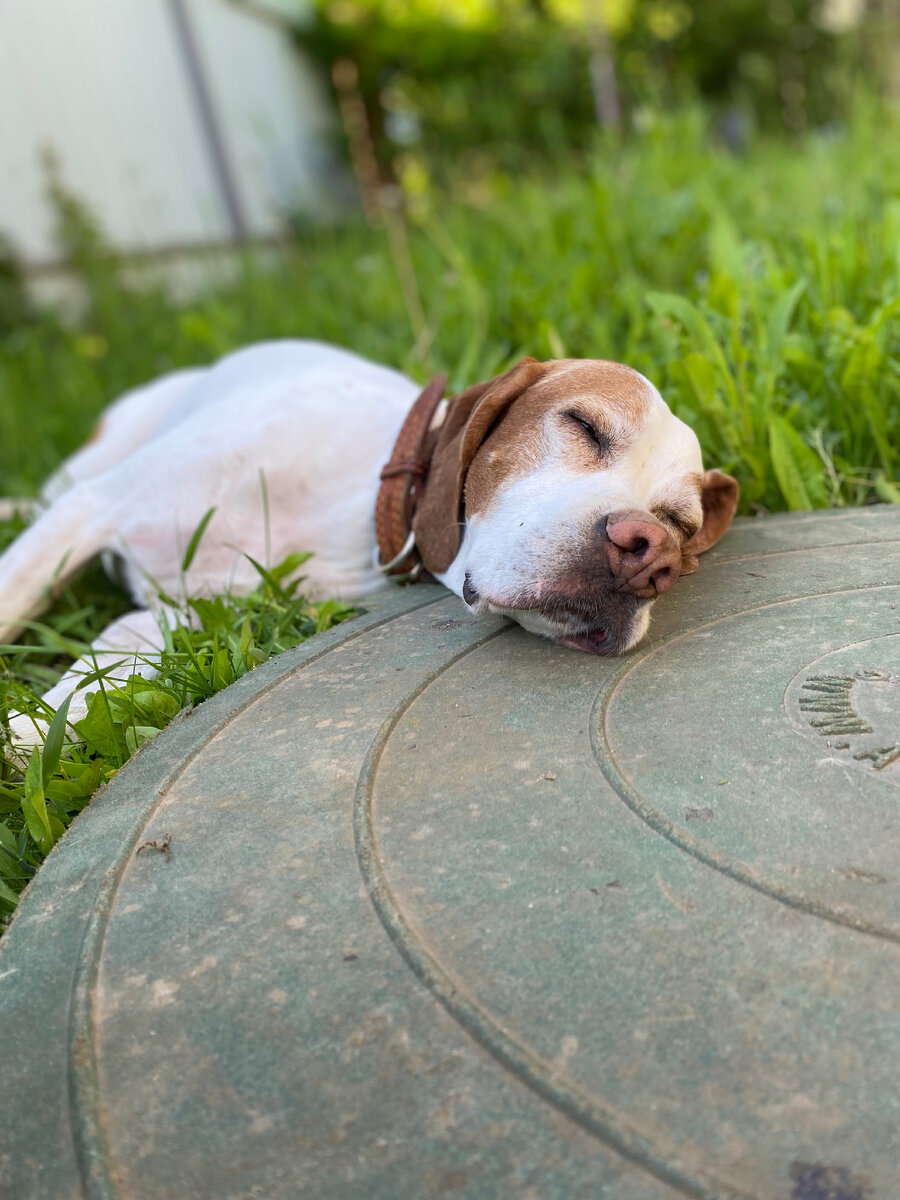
(316, 423)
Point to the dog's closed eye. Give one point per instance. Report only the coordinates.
(597, 436)
(684, 525)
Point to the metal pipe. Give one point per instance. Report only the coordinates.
(209, 121)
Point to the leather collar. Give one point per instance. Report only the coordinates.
(403, 481)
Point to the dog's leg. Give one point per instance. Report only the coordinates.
(65, 537)
(16, 507)
(129, 646)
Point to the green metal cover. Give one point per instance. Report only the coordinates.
(430, 907)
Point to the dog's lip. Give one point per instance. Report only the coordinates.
(591, 641)
(573, 625)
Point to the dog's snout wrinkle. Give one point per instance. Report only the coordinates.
(647, 582)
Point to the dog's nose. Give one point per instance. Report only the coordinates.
(643, 557)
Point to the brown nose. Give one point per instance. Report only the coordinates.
(643, 556)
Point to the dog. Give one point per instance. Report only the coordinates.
(564, 494)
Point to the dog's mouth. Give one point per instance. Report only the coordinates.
(601, 624)
(594, 641)
(579, 629)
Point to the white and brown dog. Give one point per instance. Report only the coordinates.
(563, 494)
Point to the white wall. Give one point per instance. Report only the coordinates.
(104, 83)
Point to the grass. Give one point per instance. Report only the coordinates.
(222, 639)
(760, 290)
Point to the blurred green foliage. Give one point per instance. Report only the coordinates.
(506, 80)
(759, 290)
(15, 309)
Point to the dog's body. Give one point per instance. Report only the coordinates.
(307, 425)
(565, 494)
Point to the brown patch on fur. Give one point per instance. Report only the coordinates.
(695, 479)
(96, 433)
(719, 496)
(509, 452)
(621, 390)
(607, 393)
(470, 418)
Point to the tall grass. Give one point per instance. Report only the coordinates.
(783, 262)
(760, 290)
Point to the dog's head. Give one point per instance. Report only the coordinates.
(568, 496)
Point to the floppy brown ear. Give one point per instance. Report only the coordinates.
(719, 499)
(470, 417)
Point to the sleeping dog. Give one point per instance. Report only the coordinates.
(563, 494)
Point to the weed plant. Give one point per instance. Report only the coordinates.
(760, 290)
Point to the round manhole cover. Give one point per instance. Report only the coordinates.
(448, 910)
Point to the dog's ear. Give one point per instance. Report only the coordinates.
(470, 417)
(719, 498)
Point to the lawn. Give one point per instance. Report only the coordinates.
(759, 289)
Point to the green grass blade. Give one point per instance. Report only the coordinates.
(798, 469)
(54, 741)
(777, 325)
(196, 538)
(34, 804)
